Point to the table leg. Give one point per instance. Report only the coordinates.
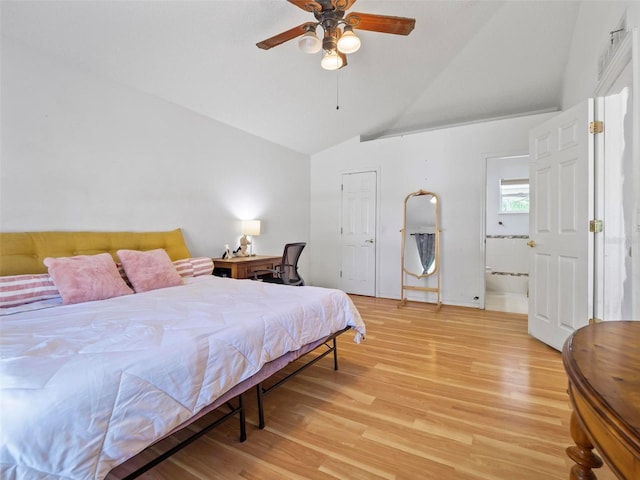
(582, 453)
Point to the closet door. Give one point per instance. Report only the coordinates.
(358, 233)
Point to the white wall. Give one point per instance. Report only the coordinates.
(590, 40)
(81, 152)
(448, 162)
(507, 265)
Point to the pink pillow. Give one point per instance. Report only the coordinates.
(85, 278)
(149, 270)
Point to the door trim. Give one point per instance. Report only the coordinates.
(626, 54)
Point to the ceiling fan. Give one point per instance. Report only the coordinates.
(337, 41)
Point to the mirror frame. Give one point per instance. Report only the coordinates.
(436, 271)
(436, 260)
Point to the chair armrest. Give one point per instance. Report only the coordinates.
(273, 271)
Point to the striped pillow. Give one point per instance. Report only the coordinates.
(194, 267)
(202, 266)
(184, 267)
(16, 290)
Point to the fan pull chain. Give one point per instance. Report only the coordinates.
(338, 90)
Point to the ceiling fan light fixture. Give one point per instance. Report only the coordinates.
(309, 42)
(331, 60)
(349, 41)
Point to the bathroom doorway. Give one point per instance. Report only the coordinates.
(507, 233)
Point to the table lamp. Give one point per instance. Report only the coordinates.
(250, 228)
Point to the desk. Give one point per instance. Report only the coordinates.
(603, 365)
(243, 267)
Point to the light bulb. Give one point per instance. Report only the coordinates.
(348, 42)
(309, 42)
(331, 60)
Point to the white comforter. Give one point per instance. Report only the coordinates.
(84, 387)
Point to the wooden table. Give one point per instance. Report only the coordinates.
(603, 365)
(243, 267)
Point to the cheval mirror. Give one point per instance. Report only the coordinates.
(421, 246)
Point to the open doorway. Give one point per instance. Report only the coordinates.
(507, 233)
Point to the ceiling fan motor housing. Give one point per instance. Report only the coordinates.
(329, 20)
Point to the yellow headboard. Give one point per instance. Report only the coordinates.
(23, 252)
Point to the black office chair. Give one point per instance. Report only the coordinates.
(287, 272)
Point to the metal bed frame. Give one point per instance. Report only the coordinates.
(262, 391)
(239, 409)
(133, 468)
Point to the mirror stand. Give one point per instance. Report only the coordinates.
(420, 244)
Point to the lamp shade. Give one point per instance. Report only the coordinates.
(251, 227)
(309, 42)
(331, 60)
(348, 42)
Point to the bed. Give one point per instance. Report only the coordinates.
(86, 386)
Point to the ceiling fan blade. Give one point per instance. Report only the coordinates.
(343, 4)
(381, 23)
(343, 56)
(307, 5)
(283, 37)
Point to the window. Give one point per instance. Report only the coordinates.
(514, 195)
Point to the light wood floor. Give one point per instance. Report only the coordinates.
(459, 394)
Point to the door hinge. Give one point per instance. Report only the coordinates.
(340, 273)
(596, 127)
(596, 226)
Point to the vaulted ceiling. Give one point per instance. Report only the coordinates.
(465, 61)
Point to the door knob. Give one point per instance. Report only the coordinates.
(531, 243)
(369, 241)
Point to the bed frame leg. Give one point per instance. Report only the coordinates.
(335, 354)
(259, 391)
(243, 424)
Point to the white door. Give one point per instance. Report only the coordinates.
(358, 233)
(561, 260)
